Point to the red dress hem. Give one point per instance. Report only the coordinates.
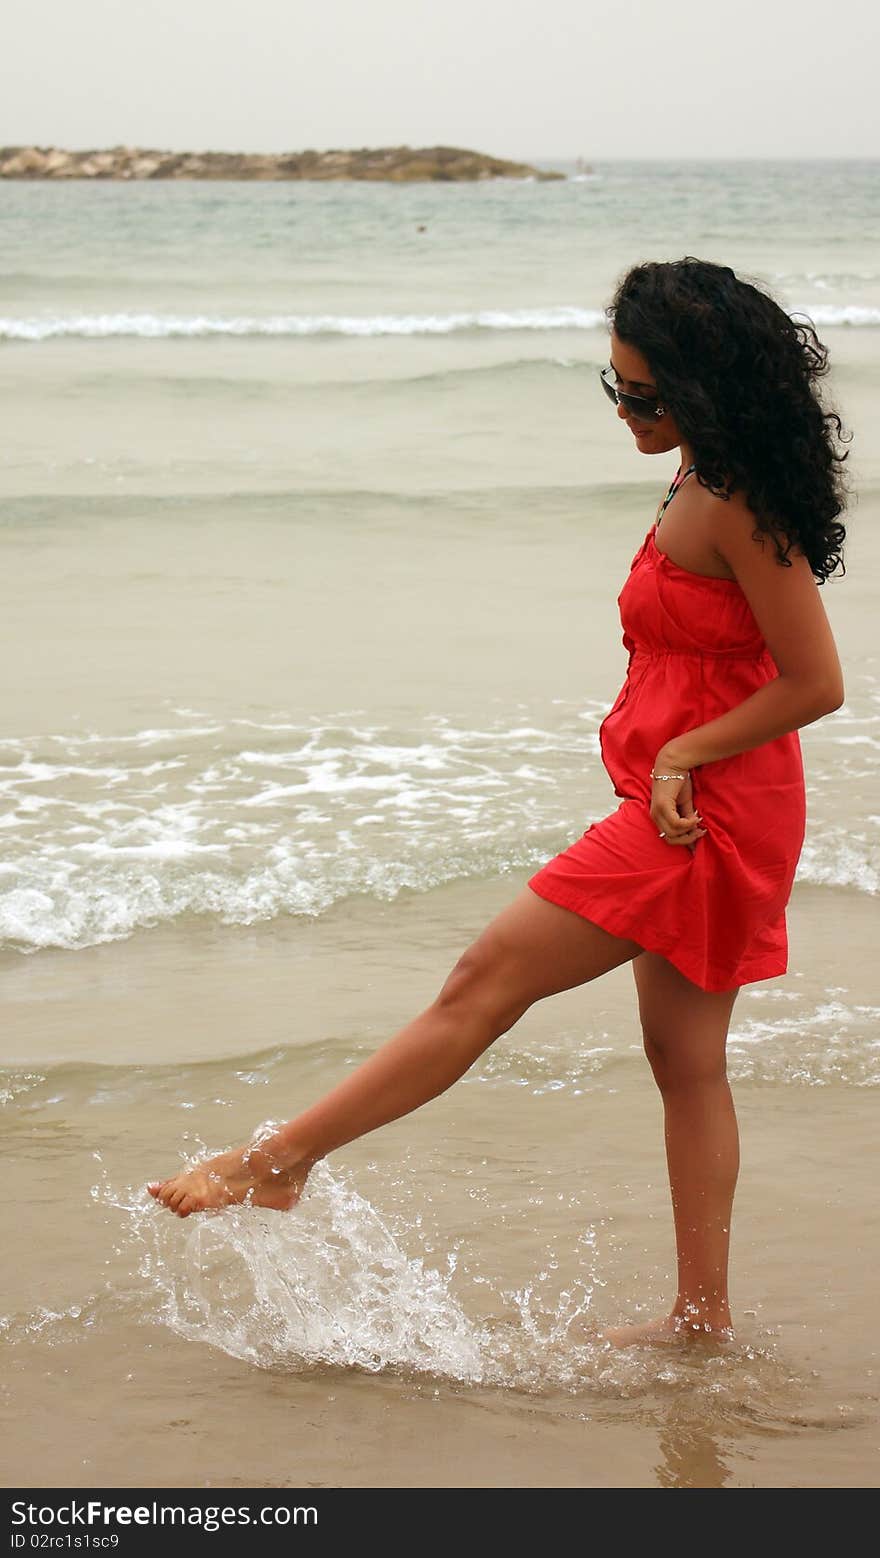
(617, 923)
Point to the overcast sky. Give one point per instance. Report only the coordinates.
(516, 78)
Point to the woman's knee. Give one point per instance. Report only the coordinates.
(481, 981)
(680, 1060)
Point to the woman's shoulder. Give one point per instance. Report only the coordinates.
(736, 527)
(691, 528)
(756, 549)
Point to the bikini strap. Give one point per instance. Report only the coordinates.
(678, 479)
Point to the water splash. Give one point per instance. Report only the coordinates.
(333, 1286)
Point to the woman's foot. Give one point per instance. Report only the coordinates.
(669, 1328)
(249, 1175)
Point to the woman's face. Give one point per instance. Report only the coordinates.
(634, 377)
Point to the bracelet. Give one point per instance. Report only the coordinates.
(669, 776)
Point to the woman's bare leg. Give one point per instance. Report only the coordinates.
(685, 1032)
(532, 949)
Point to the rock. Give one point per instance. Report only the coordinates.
(396, 164)
(27, 162)
(55, 161)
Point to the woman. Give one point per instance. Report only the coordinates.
(730, 654)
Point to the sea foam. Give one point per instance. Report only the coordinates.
(147, 326)
(154, 326)
(244, 822)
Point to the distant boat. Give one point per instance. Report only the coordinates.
(583, 167)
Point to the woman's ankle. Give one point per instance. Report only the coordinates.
(709, 1317)
(284, 1147)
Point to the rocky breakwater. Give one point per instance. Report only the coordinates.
(396, 164)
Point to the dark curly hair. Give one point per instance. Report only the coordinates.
(739, 376)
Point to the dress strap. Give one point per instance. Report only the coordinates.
(678, 480)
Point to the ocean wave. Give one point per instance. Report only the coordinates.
(248, 387)
(244, 821)
(248, 823)
(149, 326)
(839, 859)
(785, 1033)
(165, 326)
(852, 314)
(776, 1036)
(328, 505)
(825, 281)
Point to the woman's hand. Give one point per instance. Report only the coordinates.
(672, 809)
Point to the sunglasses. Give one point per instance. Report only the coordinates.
(638, 406)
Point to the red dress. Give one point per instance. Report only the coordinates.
(716, 912)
